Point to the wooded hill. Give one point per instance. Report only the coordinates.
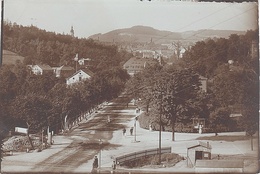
(40, 46)
(144, 34)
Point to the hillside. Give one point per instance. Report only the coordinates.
(10, 57)
(140, 34)
(144, 34)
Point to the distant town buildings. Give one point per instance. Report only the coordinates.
(137, 64)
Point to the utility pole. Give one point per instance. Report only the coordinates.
(1, 151)
(2, 32)
(160, 130)
(100, 145)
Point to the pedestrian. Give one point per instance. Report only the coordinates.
(95, 163)
(131, 130)
(114, 165)
(124, 131)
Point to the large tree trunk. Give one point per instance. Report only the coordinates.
(28, 136)
(147, 108)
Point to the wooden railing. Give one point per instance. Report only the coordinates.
(133, 156)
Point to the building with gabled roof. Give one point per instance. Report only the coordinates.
(198, 151)
(79, 76)
(136, 64)
(39, 69)
(63, 71)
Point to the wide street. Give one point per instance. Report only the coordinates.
(82, 143)
(74, 152)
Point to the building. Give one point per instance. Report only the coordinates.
(204, 83)
(199, 151)
(40, 69)
(72, 31)
(63, 71)
(79, 76)
(135, 64)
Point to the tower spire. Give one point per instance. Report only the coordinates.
(72, 31)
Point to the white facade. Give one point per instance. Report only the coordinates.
(40, 69)
(77, 77)
(37, 70)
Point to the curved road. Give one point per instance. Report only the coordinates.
(85, 144)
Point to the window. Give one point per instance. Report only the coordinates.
(206, 155)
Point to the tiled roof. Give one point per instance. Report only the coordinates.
(200, 143)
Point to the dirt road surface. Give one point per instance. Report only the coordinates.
(84, 140)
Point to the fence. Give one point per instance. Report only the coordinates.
(144, 153)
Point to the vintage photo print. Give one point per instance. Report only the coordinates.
(132, 86)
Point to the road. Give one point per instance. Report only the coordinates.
(85, 139)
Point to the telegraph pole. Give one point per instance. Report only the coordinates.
(160, 130)
(2, 32)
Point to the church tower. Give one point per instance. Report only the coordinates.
(72, 31)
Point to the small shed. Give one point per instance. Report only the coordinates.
(199, 151)
(217, 166)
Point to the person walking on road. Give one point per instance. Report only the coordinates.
(124, 132)
(131, 130)
(95, 163)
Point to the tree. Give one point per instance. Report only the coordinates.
(220, 120)
(178, 91)
(7, 84)
(33, 110)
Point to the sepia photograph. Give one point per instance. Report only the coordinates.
(129, 86)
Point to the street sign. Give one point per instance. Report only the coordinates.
(21, 130)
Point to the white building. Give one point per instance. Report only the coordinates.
(40, 69)
(79, 76)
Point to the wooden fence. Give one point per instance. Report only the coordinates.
(133, 156)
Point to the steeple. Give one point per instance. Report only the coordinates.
(72, 31)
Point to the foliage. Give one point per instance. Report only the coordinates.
(18, 84)
(220, 120)
(232, 68)
(39, 46)
(170, 94)
(40, 101)
(32, 109)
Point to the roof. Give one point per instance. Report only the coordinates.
(87, 71)
(45, 67)
(140, 61)
(202, 78)
(200, 143)
(66, 68)
(235, 115)
(220, 163)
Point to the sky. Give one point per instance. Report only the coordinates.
(90, 17)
